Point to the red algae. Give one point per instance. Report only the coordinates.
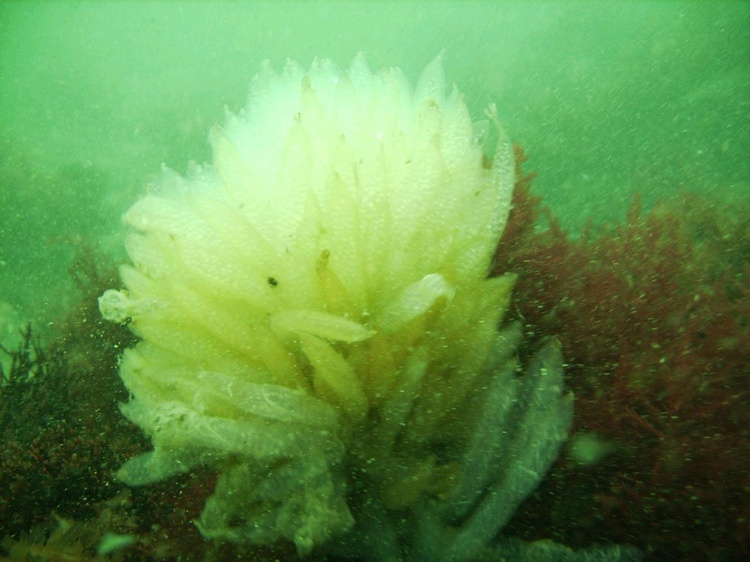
(62, 433)
(654, 318)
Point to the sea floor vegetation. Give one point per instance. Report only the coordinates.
(653, 315)
(653, 319)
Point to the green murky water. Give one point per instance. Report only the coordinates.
(606, 97)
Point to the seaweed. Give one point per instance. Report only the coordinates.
(61, 539)
(61, 431)
(64, 438)
(653, 319)
(652, 315)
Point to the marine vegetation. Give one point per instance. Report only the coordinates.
(58, 418)
(654, 318)
(61, 433)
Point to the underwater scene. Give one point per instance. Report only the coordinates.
(375, 281)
